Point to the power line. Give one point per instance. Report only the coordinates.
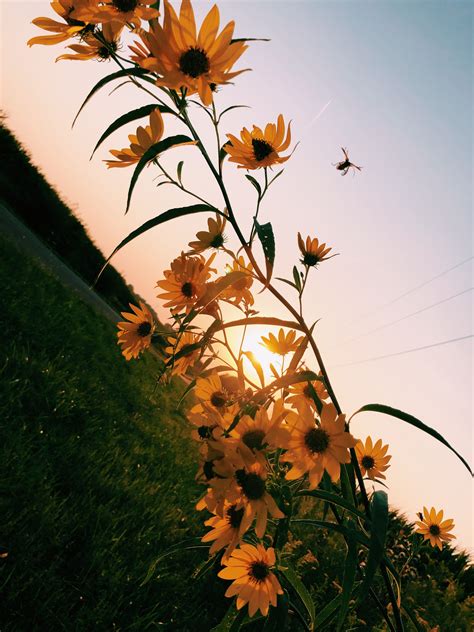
(391, 355)
(398, 320)
(414, 289)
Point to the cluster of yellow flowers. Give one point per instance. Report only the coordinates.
(255, 440)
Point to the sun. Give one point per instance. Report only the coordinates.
(253, 343)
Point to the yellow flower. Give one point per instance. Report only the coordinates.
(299, 392)
(313, 252)
(63, 31)
(135, 335)
(244, 480)
(285, 343)
(433, 528)
(213, 237)
(140, 142)
(118, 11)
(185, 283)
(182, 364)
(253, 581)
(372, 458)
(94, 48)
(239, 292)
(314, 448)
(260, 148)
(227, 530)
(187, 60)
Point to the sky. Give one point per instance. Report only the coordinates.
(392, 81)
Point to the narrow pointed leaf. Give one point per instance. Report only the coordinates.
(255, 184)
(327, 613)
(134, 115)
(179, 171)
(151, 153)
(277, 617)
(275, 177)
(232, 107)
(250, 39)
(413, 421)
(378, 534)
(231, 621)
(334, 499)
(350, 568)
(256, 365)
(267, 239)
(222, 153)
(156, 221)
(302, 593)
(136, 72)
(290, 283)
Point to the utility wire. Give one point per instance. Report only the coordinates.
(398, 320)
(391, 355)
(413, 289)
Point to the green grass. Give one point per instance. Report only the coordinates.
(96, 470)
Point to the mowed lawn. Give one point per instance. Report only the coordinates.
(96, 473)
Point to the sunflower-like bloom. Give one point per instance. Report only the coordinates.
(181, 365)
(185, 283)
(260, 148)
(95, 48)
(186, 60)
(299, 393)
(433, 528)
(213, 237)
(313, 252)
(135, 335)
(314, 448)
(285, 343)
(252, 436)
(253, 581)
(239, 292)
(63, 30)
(118, 11)
(227, 530)
(244, 480)
(206, 421)
(373, 459)
(211, 394)
(140, 142)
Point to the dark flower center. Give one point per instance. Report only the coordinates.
(434, 529)
(104, 52)
(307, 392)
(217, 241)
(316, 440)
(309, 259)
(186, 350)
(218, 399)
(144, 329)
(125, 5)
(367, 462)
(253, 439)
(194, 62)
(188, 289)
(205, 432)
(252, 484)
(234, 516)
(261, 149)
(259, 571)
(208, 469)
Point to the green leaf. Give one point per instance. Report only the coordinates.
(267, 239)
(327, 612)
(231, 621)
(250, 39)
(179, 171)
(204, 568)
(222, 153)
(277, 617)
(413, 421)
(232, 107)
(256, 365)
(219, 286)
(334, 499)
(299, 353)
(275, 177)
(347, 482)
(156, 221)
(139, 113)
(413, 618)
(350, 568)
(302, 592)
(297, 279)
(332, 526)
(378, 534)
(255, 184)
(151, 153)
(290, 283)
(134, 72)
(314, 395)
(287, 380)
